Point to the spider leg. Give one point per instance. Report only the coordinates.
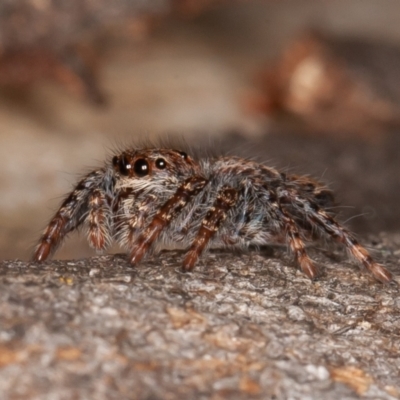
(296, 243)
(331, 227)
(225, 200)
(99, 220)
(130, 215)
(190, 188)
(70, 215)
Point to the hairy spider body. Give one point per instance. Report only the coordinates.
(149, 198)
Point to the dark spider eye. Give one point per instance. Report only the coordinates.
(141, 167)
(183, 155)
(123, 164)
(160, 163)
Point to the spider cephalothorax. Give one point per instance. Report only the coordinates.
(149, 198)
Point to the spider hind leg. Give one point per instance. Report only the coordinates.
(333, 229)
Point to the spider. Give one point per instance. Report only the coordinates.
(148, 198)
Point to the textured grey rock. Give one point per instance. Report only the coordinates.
(240, 326)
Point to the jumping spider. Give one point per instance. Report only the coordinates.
(145, 198)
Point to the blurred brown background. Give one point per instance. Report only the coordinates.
(309, 86)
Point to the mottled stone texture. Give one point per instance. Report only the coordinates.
(241, 326)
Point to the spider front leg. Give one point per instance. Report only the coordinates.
(131, 216)
(190, 188)
(99, 220)
(73, 212)
(225, 200)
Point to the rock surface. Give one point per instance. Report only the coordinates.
(240, 326)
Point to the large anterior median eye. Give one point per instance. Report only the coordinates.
(141, 167)
(123, 164)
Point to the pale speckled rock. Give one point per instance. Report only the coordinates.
(240, 326)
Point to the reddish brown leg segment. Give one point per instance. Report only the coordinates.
(51, 238)
(225, 200)
(68, 217)
(56, 229)
(130, 216)
(161, 220)
(99, 221)
(362, 255)
(331, 227)
(296, 244)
